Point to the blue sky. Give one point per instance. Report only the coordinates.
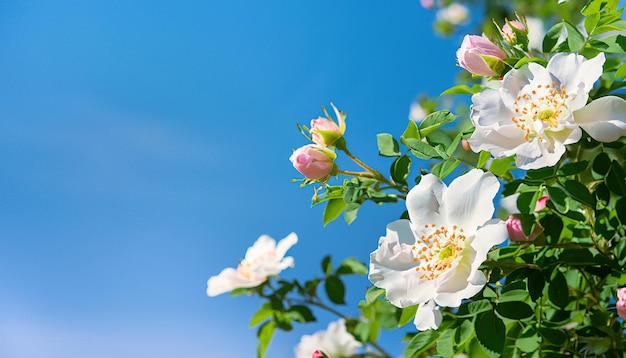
(144, 146)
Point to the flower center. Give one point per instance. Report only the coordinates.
(540, 107)
(438, 250)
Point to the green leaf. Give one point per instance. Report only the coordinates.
(302, 314)
(265, 335)
(483, 158)
(515, 310)
(528, 340)
(401, 168)
(261, 314)
(554, 336)
(350, 266)
(615, 179)
(455, 144)
(335, 289)
(373, 294)
(595, 6)
(444, 344)
(362, 331)
(464, 332)
(609, 44)
(463, 89)
(333, 209)
(558, 198)
(435, 120)
(580, 193)
(421, 149)
(552, 36)
(420, 343)
(490, 332)
(479, 306)
(601, 165)
(536, 282)
(411, 131)
(557, 290)
(349, 215)
(573, 168)
(591, 22)
(327, 265)
(443, 169)
(575, 40)
(387, 145)
(527, 201)
(501, 166)
(621, 71)
(408, 315)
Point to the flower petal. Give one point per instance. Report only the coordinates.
(285, 244)
(261, 246)
(424, 200)
(392, 267)
(491, 234)
(228, 280)
(427, 316)
(604, 118)
(454, 299)
(572, 69)
(468, 201)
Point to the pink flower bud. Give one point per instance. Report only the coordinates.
(516, 233)
(465, 145)
(621, 302)
(313, 161)
(318, 354)
(324, 131)
(507, 31)
(480, 56)
(541, 203)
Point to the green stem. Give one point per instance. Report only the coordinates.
(375, 174)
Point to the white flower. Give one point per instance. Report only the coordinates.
(538, 110)
(536, 33)
(417, 113)
(456, 14)
(264, 258)
(335, 342)
(433, 258)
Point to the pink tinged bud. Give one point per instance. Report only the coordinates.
(313, 161)
(621, 302)
(541, 203)
(324, 131)
(507, 32)
(480, 56)
(318, 354)
(516, 233)
(465, 145)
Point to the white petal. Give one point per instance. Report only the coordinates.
(261, 246)
(493, 233)
(488, 109)
(392, 267)
(424, 200)
(228, 280)
(454, 299)
(285, 244)
(427, 316)
(572, 69)
(512, 84)
(468, 201)
(537, 154)
(604, 118)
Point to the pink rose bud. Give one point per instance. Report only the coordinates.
(324, 131)
(516, 233)
(541, 203)
(313, 161)
(507, 32)
(621, 302)
(465, 145)
(318, 354)
(480, 56)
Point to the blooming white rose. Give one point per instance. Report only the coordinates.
(539, 110)
(433, 258)
(335, 342)
(264, 258)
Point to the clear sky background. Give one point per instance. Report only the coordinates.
(144, 146)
